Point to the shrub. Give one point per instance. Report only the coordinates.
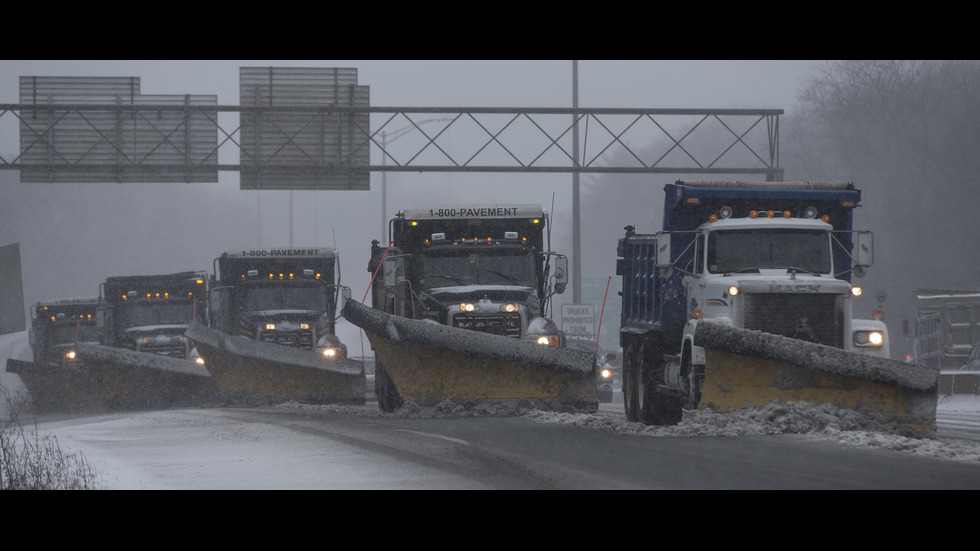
(31, 461)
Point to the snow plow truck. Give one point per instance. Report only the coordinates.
(272, 328)
(143, 359)
(57, 379)
(745, 298)
(460, 303)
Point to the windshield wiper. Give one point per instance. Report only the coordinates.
(505, 276)
(798, 269)
(450, 278)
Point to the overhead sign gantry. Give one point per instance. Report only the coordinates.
(310, 128)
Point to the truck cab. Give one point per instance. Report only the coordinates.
(57, 326)
(776, 274)
(150, 314)
(282, 296)
(483, 269)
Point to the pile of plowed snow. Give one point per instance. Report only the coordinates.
(811, 421)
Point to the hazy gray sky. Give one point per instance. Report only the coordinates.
(769, 84)
(73, 236)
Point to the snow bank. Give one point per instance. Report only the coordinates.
(808, 421)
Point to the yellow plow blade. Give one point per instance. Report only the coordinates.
(745, 368)
(59, 389)
(429, 363)
(249, 371)
(131, 380)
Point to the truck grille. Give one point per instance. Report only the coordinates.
(508, 325)
(299, 339)
(812, 317)
(173, 350)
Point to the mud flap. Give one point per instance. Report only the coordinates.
(429, 363)
(131, 380)
(59, 389)
(249, 372)
(745, 368)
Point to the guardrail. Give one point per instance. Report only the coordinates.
(959, 382)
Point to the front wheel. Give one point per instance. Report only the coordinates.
(694, 378)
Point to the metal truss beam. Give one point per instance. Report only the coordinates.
(436, 139)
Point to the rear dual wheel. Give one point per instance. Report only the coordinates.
(633, 386)
(643, 399)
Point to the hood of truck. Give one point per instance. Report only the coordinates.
(715, 300)
(154, 330)
(782, 281)
(280, 316)
(59, 350)
(447, 296)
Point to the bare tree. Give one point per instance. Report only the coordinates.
(907, 133)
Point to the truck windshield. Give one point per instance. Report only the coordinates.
(65, 333)
(286, 297)
(751, 250)
(151, 312)
(472, 266)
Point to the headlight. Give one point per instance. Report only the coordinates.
(869, 338)
(548, 340)
(270, 327)
(468, 307)
(70, 355)
(199, 360)
(605, 373)
(331, 353)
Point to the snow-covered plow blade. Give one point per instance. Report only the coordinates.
(249, 371)
(429, 363)
(745, 368)
(131, 380)
(59, 389)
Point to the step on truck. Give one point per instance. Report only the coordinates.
(745, 297)
(143, 359)
(272, 327)
(465, 295)
(57, 379)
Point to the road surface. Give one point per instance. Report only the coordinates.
(324, 447)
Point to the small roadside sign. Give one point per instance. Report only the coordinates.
(578, 320)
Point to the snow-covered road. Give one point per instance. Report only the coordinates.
(221, 449)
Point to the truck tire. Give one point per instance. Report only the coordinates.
(657, 407)
(631, 382)
(384, 389)
(694, 375)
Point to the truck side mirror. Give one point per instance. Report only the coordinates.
(344, 295)
(561, 274)
(663, 250)
(864, 254)
(390, 272)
